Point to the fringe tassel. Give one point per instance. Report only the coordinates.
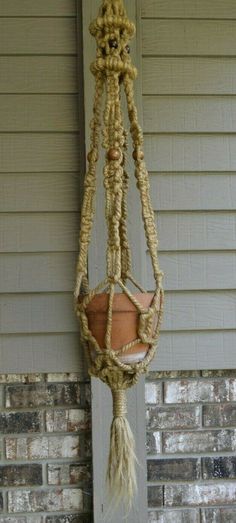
(121, 473)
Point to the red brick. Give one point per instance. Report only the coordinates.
(200, 495)
(64, 420)
(22, 519)
(42, 394)
(42, 447)
(45, 500)
(69, 473)
(174, 516)
(173, 417)
(219, 415)
(155, 496)
(218, 515)
(21, 378)
(20, 475)
(199, 441)
(153, 442)
(219, 468)
(172, 374)
(69, 518)
(16, 422)
(57, 377)
(201, 390)
(153, 392)
(178, 469)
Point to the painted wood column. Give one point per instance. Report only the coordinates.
(101, 396)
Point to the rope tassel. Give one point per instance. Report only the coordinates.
(121, 473)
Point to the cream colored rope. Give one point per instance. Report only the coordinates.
(113, 70)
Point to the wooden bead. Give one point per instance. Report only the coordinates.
(113, 44)
(113, 154)
(138, 155)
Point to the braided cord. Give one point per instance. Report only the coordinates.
(113, 70)
(142, 179)
(87, 212)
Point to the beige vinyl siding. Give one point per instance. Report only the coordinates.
(40, 185)
(192, 114)
(17, 109)
(37, 272)
(55, 192)
(209, 9)
(189, 109)
(200, 230)
(37, 36)
(39, 232)
(38, 74)
(33, 346)
(198, 270)
(189, 37)
(193, 191)
(29, 8)
(189, 75)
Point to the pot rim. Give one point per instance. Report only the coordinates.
(121, 302)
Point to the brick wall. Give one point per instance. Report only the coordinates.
(45, 445)
(191, 441)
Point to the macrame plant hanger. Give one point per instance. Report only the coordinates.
(102, 311)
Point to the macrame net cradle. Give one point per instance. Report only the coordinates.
(113, 70)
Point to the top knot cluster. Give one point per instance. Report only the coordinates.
(113, 31)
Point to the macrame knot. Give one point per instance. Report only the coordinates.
(114, 64)
(119, 403)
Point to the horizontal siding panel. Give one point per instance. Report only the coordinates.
(37, 36)
(37, 8)
(196, 231)
(200, 310)
(44, 113)
(195, 271)
(41, 272)
(37, 232)
(188, 152)
(189, 37)
(42, 352)
(195, 191)
(195, 350)
(38, 74)
(50, 232)
(189, 83)
(35, 313)
(38, 152)
(189, 75)
(54, 192)
(189, 9)
(189, 114)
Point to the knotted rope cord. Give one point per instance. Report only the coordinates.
(87, 212)
(113, 174)
(112, 69)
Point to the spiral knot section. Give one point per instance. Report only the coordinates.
(119, 403)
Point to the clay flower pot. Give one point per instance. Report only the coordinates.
(125, 323)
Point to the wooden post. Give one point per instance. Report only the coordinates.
(101, 396)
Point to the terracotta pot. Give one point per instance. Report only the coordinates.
(125, 321)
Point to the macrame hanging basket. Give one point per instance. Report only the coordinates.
(120, 328)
